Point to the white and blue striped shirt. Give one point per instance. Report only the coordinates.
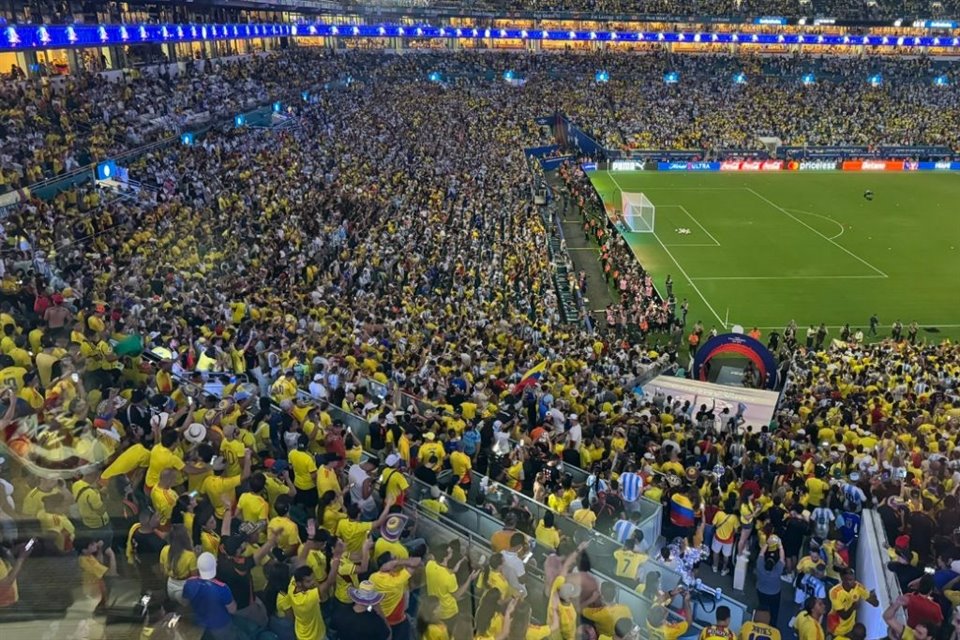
(622, 530)
(630, 486)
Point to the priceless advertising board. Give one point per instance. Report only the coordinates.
(810, 165)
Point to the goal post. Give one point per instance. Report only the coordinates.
(639, 214)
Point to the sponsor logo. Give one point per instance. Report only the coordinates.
(873, 165)
(626, 165)
(943, 166)
(730, 165)
(817, 165)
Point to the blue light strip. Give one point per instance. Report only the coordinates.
(40, 37)
(27, 37)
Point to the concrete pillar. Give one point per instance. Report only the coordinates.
(208, 50)
(534, 45)
(170, 50)
(27, 61)
(73, 61)
(116, 57)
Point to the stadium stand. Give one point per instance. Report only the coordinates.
(216, 384)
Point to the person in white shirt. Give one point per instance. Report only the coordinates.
(574, 433)
(512, 567)
(317, 389)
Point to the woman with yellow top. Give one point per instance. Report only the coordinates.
(331, 511)
(492, 579)
(178, 562)
(546, 534)
(488, 619)
(429, 625)
(749, 510)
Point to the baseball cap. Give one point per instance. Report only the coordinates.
(207, 566)
(392, 460)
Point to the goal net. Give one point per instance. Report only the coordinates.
(638, 212)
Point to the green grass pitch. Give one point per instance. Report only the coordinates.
(768, 248)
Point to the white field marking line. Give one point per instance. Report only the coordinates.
(582, 249)
(811, 213)
(680, 244)
(830, 240)
(695, 221)
(861, 277)
(682, 272)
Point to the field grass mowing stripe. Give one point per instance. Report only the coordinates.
(830, 240)
(682, 271)
(814, 277)
(697, 222)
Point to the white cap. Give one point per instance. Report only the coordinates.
(207, 566)
(392, 460)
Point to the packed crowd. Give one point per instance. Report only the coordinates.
(388, 245)
(51, 126)
(47, 128)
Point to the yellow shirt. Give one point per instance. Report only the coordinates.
(163, 501)
(586, 517)
(442, 583)
(807, 627)
(162, 458)
(495, 580)
(395, 549)
(758, 631)
(232, 452)
(460, 463)
(668, 631)
(393, 586)
(604, 618)
(396, 483)
(306, 612)
(353, 534)
(289, 535)
(90, 505)
(841, 599)
(92, 572)
(252, 507)
(186, 564)
(726, 524)
(817, 489)
(303, 465)
(327, 480)
(436, 631)
(547, 537)
(628, 563)
(217, 488)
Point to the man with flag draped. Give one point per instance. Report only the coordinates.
(682, 515)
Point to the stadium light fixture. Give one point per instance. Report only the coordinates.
(941, 81)
(809, 78)
(671, 77)
(433, 76)
(875, 80)
(740, 78)
(602, 76)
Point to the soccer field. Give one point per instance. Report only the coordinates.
(767, 248)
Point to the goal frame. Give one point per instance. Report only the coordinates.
(639, 213)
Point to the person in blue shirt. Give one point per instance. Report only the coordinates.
(211, 600)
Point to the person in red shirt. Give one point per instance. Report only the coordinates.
(921, 607)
